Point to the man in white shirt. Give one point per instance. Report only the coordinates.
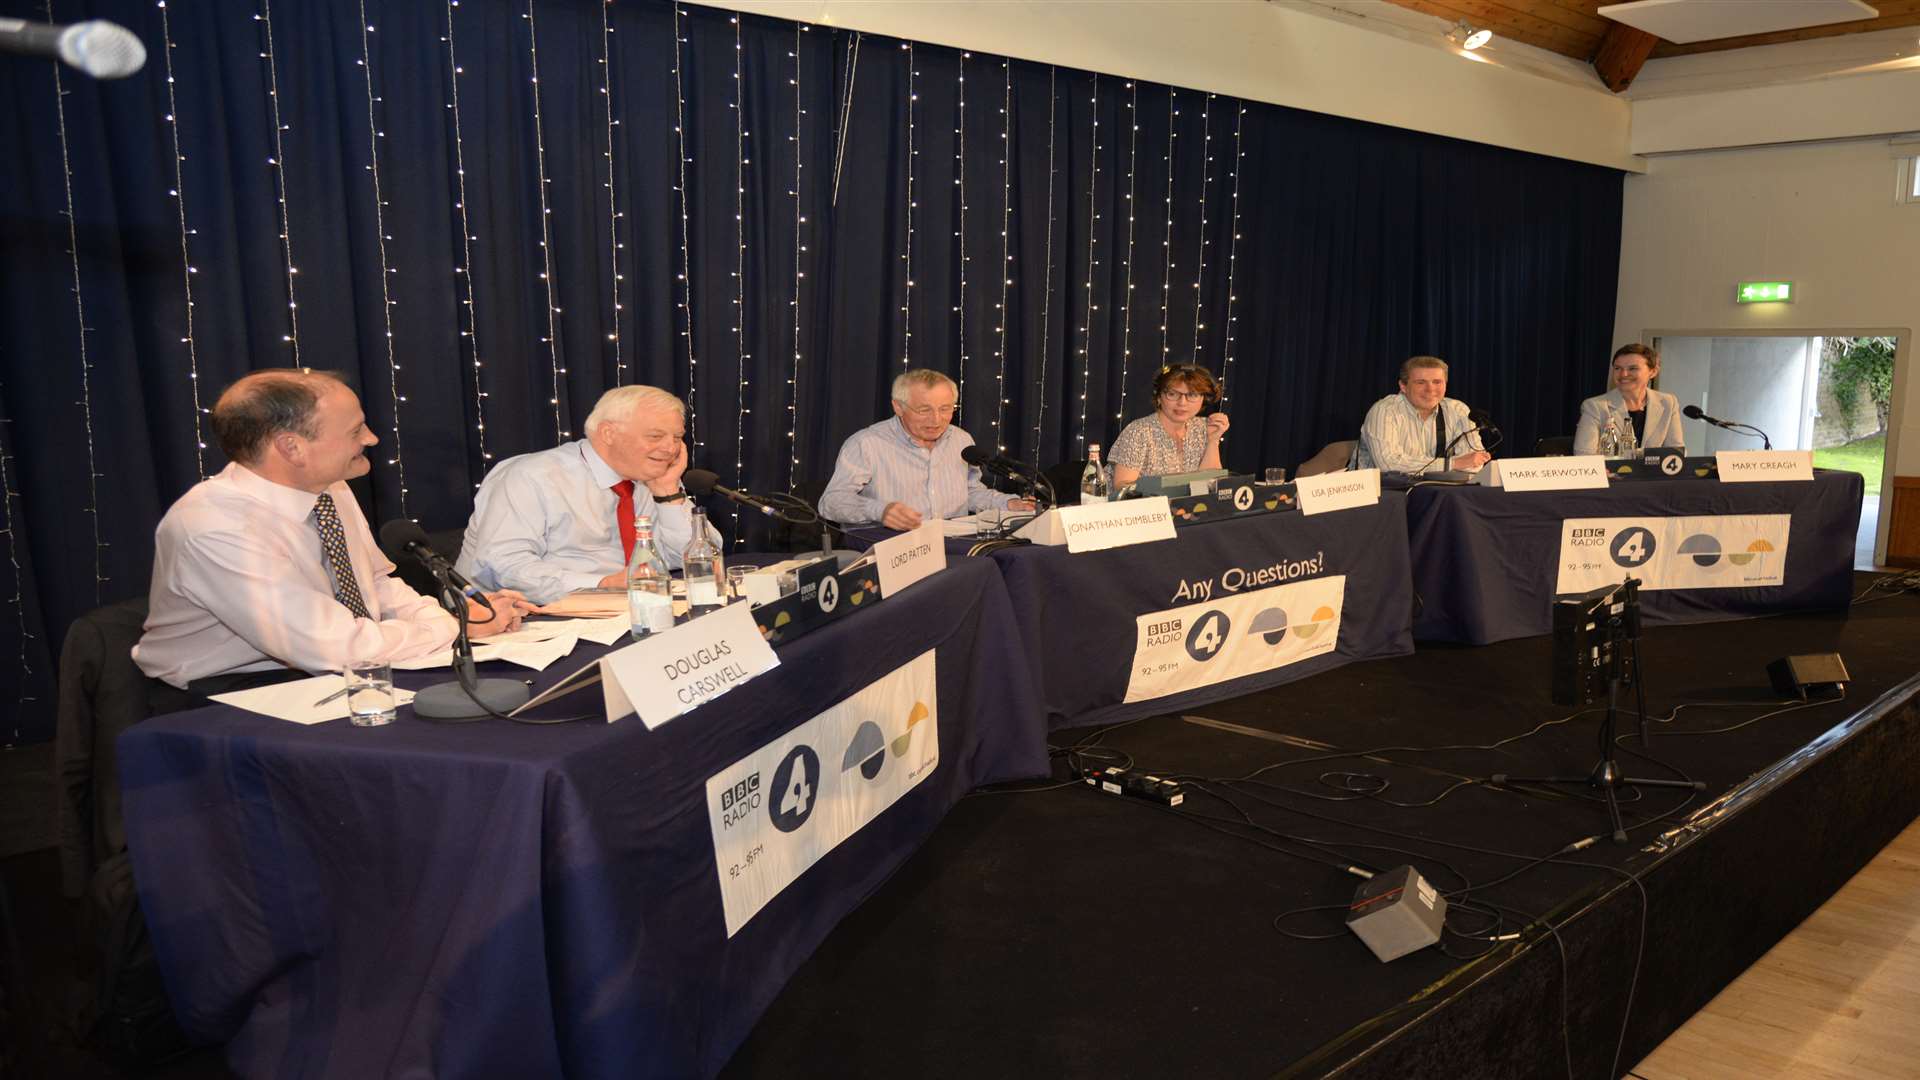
(554, 521)
(1420, 428)
(901, 471)
(268, 568)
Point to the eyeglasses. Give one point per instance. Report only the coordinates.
(925, 411)
(1183, 395)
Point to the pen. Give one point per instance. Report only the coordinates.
(331, 698)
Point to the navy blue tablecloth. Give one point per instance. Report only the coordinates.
(1077, 613)
(1485, 560)
(493, 899)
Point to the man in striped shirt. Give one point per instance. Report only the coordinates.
(1420, 428)
(903, 471)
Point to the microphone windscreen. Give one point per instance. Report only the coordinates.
(975, 456)
(1479, 418)
(699, 482)
(1692, 412)
(102, 49)
(395, 535)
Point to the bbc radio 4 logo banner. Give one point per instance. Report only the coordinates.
(1198, 645)
(1720, 551)
(776, 811)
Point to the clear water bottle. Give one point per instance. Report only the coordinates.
(1093, 479)
(704, 568)
(649, 583)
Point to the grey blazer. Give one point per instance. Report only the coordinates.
(1663, 421)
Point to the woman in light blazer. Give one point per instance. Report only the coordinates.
(1631, 409)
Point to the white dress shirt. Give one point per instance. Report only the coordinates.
(547, 523)
(881, 464)
(240, 583)
(1663, 428)
(1396, 438)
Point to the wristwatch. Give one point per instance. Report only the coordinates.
(675, 497)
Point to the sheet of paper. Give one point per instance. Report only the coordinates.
(295, 700)
(589, 602)
(537, 655)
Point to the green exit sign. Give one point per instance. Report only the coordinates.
(1763, 292)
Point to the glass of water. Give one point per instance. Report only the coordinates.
(1276, 475)
(370, 700)
(737, 581)
(987, 522)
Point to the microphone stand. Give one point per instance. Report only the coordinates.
(1622, 630)
(469, 697)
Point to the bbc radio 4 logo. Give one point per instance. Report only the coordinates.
(1210, 632)
(1634, 546)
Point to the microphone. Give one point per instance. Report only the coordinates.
(700, 483)
(1694, 412)
(403, 535)
(997, 464)
(102, 49)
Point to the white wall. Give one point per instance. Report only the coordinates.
(1287, 53)
(1820, 215)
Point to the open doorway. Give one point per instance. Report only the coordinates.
(1829, 393)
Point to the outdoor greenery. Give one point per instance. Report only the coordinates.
(1864, 456)
(1866, 363)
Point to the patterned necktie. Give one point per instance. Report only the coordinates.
(624, 515)
(333, 540)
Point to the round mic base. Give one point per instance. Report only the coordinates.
(450, 701)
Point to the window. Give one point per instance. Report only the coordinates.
(1906, 177)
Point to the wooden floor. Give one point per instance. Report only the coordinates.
(1838, 997)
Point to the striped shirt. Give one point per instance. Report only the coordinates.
(882, 464)
(1396, 438)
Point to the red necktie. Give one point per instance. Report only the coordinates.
(625, 515)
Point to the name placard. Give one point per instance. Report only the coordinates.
(905, 559)
(1750, 466)
(670, 673)
(1551, 473)
(1338, 490)
(1099, 526)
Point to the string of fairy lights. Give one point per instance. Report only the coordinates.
(614, 214)
(1000, 402)
(741, 161)
(960, 234)
(19, 599)
(1233, 251)
(799, 249)
(906, 293)
(178, 193)
(80, 319)
(1093, 232)
(463, 274)
(1200, 249)
(1166, 275)
(374, 135)
(278, 164)
(1126, 291)
(1046, 286)
(552, 338)
(685, 274)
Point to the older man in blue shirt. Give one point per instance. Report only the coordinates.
(558, 520)
(902, 471)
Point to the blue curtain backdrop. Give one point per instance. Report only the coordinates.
(769, 219)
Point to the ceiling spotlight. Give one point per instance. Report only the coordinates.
(1468, 38)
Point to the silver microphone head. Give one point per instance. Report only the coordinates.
(102, 49)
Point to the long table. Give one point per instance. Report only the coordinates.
(1091, 619)
(492, 899)
(1487, 562)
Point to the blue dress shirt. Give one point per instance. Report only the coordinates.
(882, 464)
(546, 524)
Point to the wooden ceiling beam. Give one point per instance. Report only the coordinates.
(1621, 54)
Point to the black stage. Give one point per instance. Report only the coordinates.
(1068, 932)
(1065, 932)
